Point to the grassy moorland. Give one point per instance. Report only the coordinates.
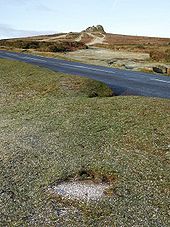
(54, 125)
(137, 53)
(158, 53)
(157, 48)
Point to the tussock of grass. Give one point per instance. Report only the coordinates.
(48, 137)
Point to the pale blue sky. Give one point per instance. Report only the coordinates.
(134, 17)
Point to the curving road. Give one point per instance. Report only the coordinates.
(122, 82)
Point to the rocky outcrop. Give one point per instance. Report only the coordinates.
(160, 69)
(98, 28)
(168, 71)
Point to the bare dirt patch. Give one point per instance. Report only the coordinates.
(81, 190)
(104, 56)
(118, 59)
(85, 186)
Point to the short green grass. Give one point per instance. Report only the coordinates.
(52, 128)
(21, 81)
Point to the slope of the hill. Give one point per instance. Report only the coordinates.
(95, 32)
(93, 45)
(51, 130)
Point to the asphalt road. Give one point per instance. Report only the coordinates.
(122, 82)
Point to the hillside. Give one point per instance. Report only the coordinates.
(88, 35)
(54, 129)
(95, 46)
(97, 33)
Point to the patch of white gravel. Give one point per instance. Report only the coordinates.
(55, 38)
(97, 39)
(80, 190)
(79, 38)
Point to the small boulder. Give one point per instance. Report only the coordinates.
(168, 71)
(129, 67)
(111, 62)
(160, 69)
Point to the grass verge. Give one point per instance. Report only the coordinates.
(52, 129)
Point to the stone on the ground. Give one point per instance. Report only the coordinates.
(160, 69)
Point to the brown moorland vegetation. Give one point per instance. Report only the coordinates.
(157, 48)
(59, 46)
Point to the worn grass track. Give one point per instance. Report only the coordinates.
(51, 128)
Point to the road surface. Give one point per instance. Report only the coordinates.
(122, 82)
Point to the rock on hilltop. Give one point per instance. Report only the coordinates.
(98, 28)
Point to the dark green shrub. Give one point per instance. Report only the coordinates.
(140, 46)
(56, 48)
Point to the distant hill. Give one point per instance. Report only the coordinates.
(97, 35)
(92, 36)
